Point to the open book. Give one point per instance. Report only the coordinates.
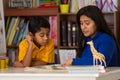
(46, 68)
(69, 69)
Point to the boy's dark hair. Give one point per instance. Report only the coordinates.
(36, 23)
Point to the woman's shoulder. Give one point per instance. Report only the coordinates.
(105, 36)
(106, 39)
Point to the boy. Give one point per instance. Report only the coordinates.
(37, 49)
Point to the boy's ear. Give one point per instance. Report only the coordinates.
(30, 34)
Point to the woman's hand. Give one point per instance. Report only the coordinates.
(68, 62)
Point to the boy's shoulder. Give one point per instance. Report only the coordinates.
(23, 42)
(50, 41)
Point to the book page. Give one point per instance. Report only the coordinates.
(2, 31)
(47, 68)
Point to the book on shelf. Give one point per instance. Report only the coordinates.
(74, 34)
(25, 30)
(53, 28)
(30, 3)
(19, 27)
(21, 33)
(69, 33)
(19, 3)
(64, 30)
(7, 24)
(12, 32)
(66, 54)
(12, 56)
(12, 21)
(74, 6)
(2, 31)
(109, 18)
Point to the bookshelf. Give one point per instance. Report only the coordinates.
(45, 12)
(111, 17)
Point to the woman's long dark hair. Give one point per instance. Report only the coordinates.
(96, 15)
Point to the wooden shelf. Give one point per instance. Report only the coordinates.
(69, 47)
(67, 13)
(31, 12)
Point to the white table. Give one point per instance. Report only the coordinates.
(21, 74)
(112, 73)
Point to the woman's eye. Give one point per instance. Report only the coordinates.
(87, 23)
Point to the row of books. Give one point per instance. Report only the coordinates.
(17, 29)
(28, 3)
(104, 5)
(12, 54)
(75, 5)
(69, 33)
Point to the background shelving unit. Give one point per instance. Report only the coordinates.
(112, 19)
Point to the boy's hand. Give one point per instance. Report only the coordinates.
(29, 38)
(17, 64)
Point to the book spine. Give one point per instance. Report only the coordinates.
(69, 34)
(74, 34)
(64, 33)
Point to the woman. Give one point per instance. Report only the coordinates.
(94, 28)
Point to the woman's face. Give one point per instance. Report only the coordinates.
(87, 26)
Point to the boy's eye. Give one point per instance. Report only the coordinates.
(42, 35)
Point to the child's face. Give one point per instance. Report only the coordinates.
(42, 36)
(88, 26)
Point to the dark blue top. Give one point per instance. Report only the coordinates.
(103, 43)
